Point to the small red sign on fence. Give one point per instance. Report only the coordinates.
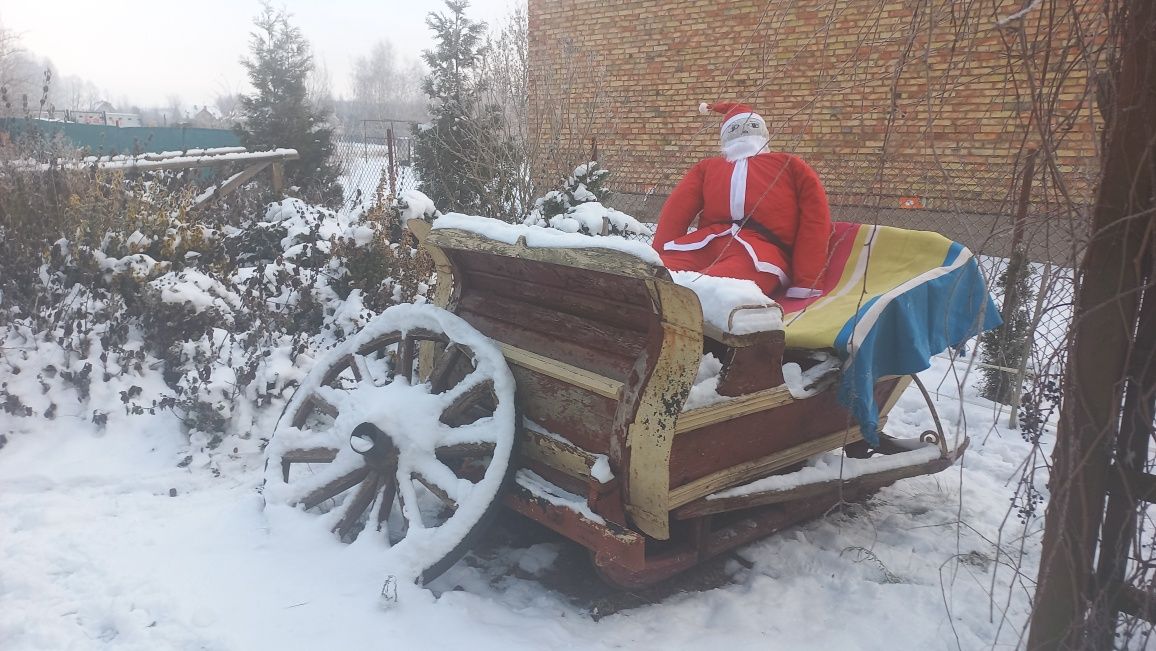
(910, 202)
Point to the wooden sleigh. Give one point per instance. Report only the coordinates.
(603, 349)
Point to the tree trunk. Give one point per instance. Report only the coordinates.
(1101, 340)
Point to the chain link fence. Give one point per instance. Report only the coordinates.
(370, 163)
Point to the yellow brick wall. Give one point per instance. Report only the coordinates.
(629, 75)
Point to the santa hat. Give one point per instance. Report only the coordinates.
(732, 112)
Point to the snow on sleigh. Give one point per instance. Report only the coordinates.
(657, 421)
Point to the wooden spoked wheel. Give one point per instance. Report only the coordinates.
(373, 445)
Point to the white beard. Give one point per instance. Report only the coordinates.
(744, 147)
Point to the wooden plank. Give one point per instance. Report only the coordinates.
(752, 368)
(661, 381)
(445, 289)
(754, 469)
(630, 315)
(560, 455)
(565, 281)
(584, 332)
(572, 375)
(444, 286)
(900, 386)
(613, 542)
(232, 183)
(601, 260)
(714, 448)
(583, 417)
(742, 406)
(278, 178)
(862, 483)
(188, 162)
(550, 345)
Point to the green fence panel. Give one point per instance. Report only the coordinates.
(105, 140)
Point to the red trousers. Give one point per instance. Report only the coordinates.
(719, 259)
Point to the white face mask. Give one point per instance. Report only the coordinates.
(744, 137)
(751, 124)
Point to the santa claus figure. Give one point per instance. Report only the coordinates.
(762, 215)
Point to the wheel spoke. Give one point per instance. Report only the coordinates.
(441, 481)
(379, 343)
(305, 455)
(314, 402)
(357, 505)
(475, 396)
(388, 494)
(360, 369)
(334, 488)
(440, 375)
(406, 351)
(461, 451)
(407, 498)
(324, 404)
(344, 363)
(436, 490)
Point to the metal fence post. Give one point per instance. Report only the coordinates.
(390, 161)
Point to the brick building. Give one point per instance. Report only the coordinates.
(897, 103)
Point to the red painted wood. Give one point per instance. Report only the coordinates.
(752, 368)
(727, 444)
(631, 316)
(603, 286)
(584, 332)
(583, 418)
(549, 345)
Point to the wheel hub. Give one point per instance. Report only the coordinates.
(373, 444)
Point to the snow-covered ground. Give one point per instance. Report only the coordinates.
(107, 542)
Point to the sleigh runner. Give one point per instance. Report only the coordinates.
(559, 378)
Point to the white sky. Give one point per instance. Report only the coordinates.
(148, 50)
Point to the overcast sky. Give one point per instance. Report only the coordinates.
(148, 50)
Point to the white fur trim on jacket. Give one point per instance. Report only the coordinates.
(803, 292)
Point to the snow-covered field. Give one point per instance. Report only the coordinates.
(364, 166)
(106, 542)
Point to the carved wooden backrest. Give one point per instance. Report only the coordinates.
(604, 347)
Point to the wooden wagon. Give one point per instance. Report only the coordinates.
(565, 399)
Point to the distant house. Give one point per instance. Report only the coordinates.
(205, 119)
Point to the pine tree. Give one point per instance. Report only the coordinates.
(1006, 346)
(279, 112)
(576, 206)
(585, 185)
(461, 156)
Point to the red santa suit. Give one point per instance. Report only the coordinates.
(761, 216)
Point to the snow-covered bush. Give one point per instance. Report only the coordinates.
(576, 206)
(113, 295)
